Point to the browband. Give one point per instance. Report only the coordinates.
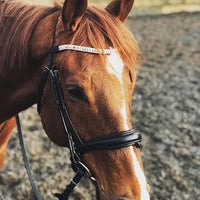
(114, 141)
(73, 47)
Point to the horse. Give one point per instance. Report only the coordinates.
(96, 58)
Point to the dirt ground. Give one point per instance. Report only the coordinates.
(166, 109)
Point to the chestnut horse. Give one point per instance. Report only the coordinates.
(97, 88)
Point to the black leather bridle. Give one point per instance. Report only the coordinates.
(78, 147)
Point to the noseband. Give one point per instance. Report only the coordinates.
(77, 146)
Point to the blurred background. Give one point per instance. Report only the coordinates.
(166, 109)
(142, 7)
(160, 6)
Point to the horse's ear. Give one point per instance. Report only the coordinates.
(72, 13)
(120, 8)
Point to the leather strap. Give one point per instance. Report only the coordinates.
(42, 83)
(114, 141)
(26, 161)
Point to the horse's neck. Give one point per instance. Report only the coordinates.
(18, 86)
(18, 92)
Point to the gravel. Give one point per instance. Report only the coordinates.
(166, 109)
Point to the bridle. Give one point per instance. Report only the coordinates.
(77, 146)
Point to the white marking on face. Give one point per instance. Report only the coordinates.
(140, 177)
(115, 67)
(124, 114)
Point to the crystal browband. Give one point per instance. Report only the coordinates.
(72, 47)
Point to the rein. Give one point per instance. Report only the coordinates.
(26, 161)
(77, 147)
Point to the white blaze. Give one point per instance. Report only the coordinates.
(140, 176)
(115, 67)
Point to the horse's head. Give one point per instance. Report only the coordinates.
(97, 90)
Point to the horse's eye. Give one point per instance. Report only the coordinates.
(76, 92)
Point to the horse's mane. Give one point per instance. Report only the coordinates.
(99, 28)
(18, 21)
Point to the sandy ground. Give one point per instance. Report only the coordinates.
(166, 109)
